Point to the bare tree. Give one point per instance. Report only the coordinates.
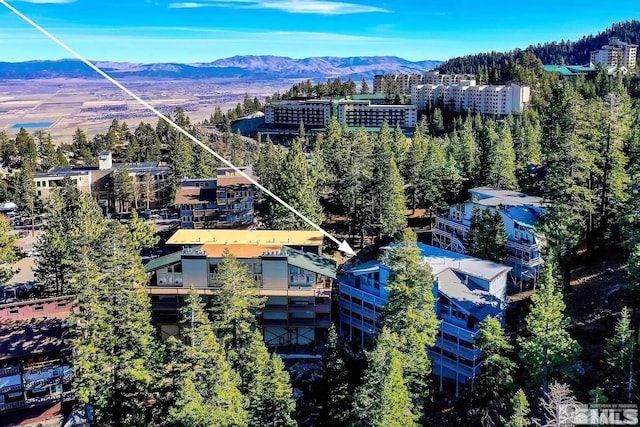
(148, 190)
(558, 406)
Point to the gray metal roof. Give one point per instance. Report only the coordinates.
(471, 298)
(441, 259)
(495, 197)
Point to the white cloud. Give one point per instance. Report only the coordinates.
(317, 6)
(320, 7)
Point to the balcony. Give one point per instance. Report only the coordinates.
(9, 371)
(523, 245)
(446, 222)
(289, 323)
(462, 351)
(298, 308)
(359, 309)
(452, 364)
(36, 401)
(463, 334)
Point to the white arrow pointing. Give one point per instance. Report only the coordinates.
(342, 246)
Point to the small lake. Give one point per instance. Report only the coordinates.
(32, 125)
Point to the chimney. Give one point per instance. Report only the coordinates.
(105, 162)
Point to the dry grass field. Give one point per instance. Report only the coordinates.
(63, 105)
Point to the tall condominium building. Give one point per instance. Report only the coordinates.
(467, 96)
(467, 291)
(354, 113)
(435, 78)
(616, 53)
(225, 201)
(313, 113)
(349, 112)
(384, 83)
(288, 268)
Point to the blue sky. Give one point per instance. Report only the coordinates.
(205, 30)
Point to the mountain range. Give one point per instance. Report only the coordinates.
(258, 67)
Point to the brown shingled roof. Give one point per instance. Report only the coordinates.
(185, 195)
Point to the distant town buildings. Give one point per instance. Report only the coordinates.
(521, 215)
(468, 96)
(616, 53)
(95, 179)
(288, 268)
(225, 201)
(467, 291)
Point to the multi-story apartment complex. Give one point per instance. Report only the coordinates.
(382, 83)
(616, 53)
(385, 83)
(467, 291)
(435, 78)
(225, 201)
(313, 113)
(349, 112)
(521, 215)
(362, 113)
(467, 96)
(288, 268)
(94, 179)
(35, 376)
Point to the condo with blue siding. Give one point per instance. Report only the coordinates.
(467, 291)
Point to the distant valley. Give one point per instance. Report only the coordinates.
(60, 96)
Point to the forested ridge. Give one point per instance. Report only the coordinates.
(496, 67)
(577, 146)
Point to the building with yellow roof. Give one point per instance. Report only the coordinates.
(287, 266)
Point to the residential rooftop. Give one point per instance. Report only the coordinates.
(496, 197)
(468, 296)
(30, 337)
(247, 237)
(441, 259)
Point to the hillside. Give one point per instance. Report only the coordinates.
(569, 52)
(266, 67)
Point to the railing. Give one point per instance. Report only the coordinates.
(314, 323)
(356, 308)
(520, 244)
(348, 289)
(454, 365)
(9, 371)
(10, 388)
(530, 263)
(458, 331)
(298, 308)
(456, 242)
(453, 224)
(466, 352)
(36, 401)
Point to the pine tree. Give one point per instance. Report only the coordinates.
(206, 378)
(7, 249)
(266, 385)
(122, 184)
(502, 172)
(549, 351)
(520, 416)
(117, 365)
(410, 313)
(142, 234)
(493, 387)
(337, 403)
(295, 185)
(395, 398)
(364, 87)
(619, 355)
(383, 399)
